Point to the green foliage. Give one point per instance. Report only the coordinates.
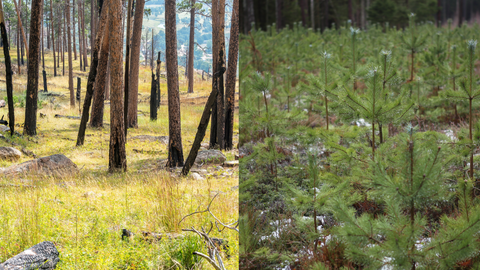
(182, 256)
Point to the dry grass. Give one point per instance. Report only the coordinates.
(84, 213)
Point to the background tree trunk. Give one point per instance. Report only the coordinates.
(191, 47)
(220, 63)
(231, 77)
(127, 68)
(21, 28)
(30, 127)
(73, 29)
(135, 63)
(175, 151)
(69, 48)
(8, 72)
(80, 43)
(85, 62)
(92, 74)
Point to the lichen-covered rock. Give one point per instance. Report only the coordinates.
(54, 164)
(9, 153)
(43, 256)
(210, 157)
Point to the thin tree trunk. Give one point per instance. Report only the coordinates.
(127, 68)
(80, 43)
(312, 14)
(63, 48)
(231, 76)
(18, 51)
(279, 17)
(73, 31)
(69, 49)
(117, 155)
(8, 72)
(175, 150)
(135, 63)
(43, 50)
(92, 74)
(21, 27)
(30, 126)
(85, 62)
(191, 47)
(220, 64)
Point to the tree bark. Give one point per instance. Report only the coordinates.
(73, 31)
(21, 27)
(100, 82)
(135, 63)
(117, 156)
(191, 47)
(231, 77)
(127, 68)
(153, 99)
(63, 46)
(8, 72)
(159, 64)
(69, 49)
(220, 64)
(250, 16)
(92, 74)
(30, 126)
(85, 62)
(175, 150)
(80, 43)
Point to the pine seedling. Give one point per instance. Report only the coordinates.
(468, 93)
(413, 44)
(376, 105)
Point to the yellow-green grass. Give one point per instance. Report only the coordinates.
(84, 213)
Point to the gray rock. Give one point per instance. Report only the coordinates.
(210, 157)
(43, 256)
(4, 128)
(10, 153)
(54, 164)
(2, 103)
(197, 176)
(150, 138)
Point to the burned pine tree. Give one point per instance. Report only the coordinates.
(231, 77)
(8, 71)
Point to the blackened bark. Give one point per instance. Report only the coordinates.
(85, 61)
(73, 34)
(175, 151)
(8, 71)
(45, 89)
(30, 127)
(231, 77)
(127, 68)
(153, 100)
(279, 13)
(159, 64)
(135, 62)
(202, 128)
(91, 77)
(100, 82)
(219, 64)
(117, 155)
(69, 49)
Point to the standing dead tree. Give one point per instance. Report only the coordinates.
(8, 71)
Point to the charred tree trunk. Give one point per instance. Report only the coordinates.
(218, 27)
(191, 47)
(80, 43)
(135, 63)
(159, 64)
(100, 82)
(63, 47)
(73, 34)
(231, 77)
(8, 71)
(127, 68)
(85, 62)
(30, 127)
(91, 75)
(153, 100)
(175, 150)
(117, 155)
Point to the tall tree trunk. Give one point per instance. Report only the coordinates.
(350, 11)
(85, 62)
(107, 82)
(279, 13)
(30, 127)
(117, 155)
(325, 16)
(92, 74)
(18, 51)
(100, 82)
(69, 49)
(135, 63)
(127, 68)
(63, 47)
(73, 30)
(175, 150)
(191, 46)
(460, 12)
(43, 51)
(303, 9)
(21, 27)
(250, 17)
(220, 64)
(231, 77)
(312, 14)
(8, 71)
(151, 54)
(80, 43)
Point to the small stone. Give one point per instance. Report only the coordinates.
(2, 103)
(54, 164)
(4, 128)
(232, 163)
(43, 256)
(197, 177)
(144, 138)
(10, 153)
(210, 157)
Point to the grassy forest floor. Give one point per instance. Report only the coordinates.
(84, 213)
